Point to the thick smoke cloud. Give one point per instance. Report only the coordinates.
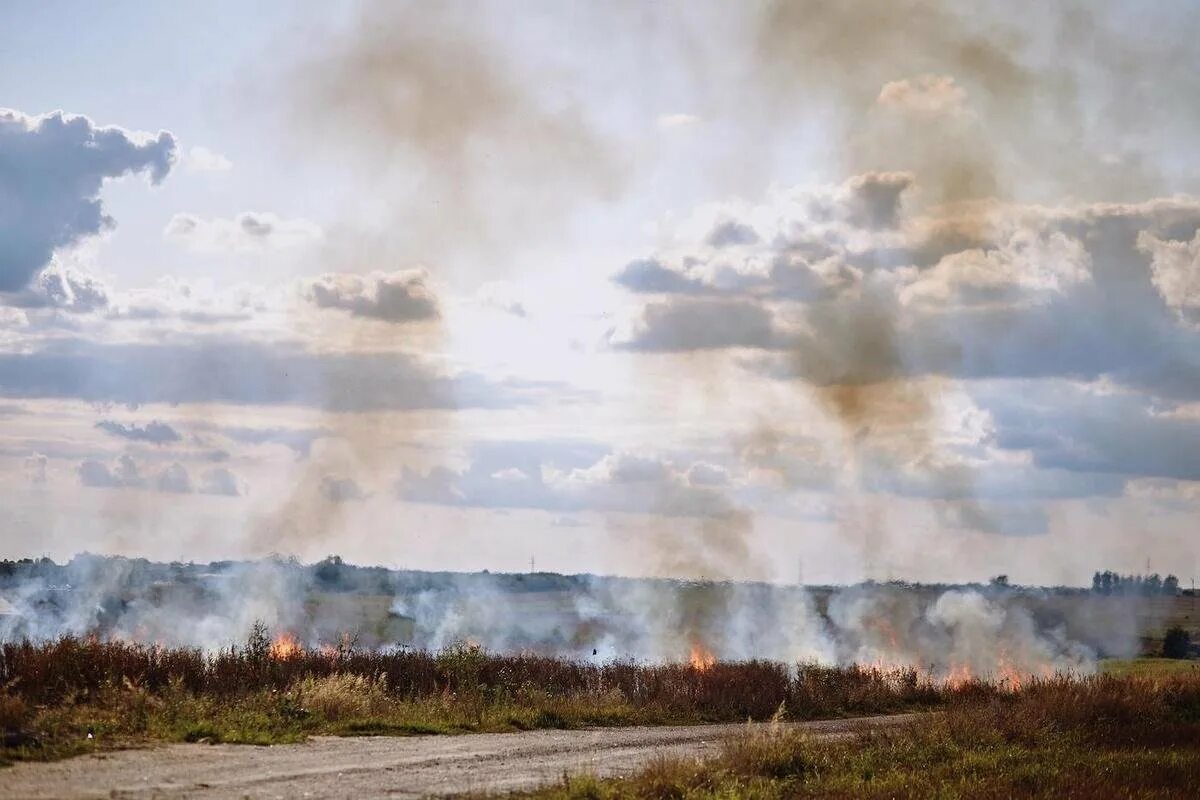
(54, 167)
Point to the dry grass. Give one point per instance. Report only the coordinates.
(1101, 737)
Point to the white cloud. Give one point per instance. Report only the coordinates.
(248, 232)
(679, 120)
(201, 159)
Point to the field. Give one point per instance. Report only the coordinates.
(123, 694)
(1132, 731)
(1100, 737)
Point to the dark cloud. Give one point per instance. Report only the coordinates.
(1083, 429)
(679, 325)
(240, 372)
(856, 295)
(401, 296)
(154, 432)
(63, 290)
(53, 169)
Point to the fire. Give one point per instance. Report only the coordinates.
(701, 658)
(959, 675)
(285, 646)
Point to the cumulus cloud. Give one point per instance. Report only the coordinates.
(845, 285)
(154, 432)
(248, 232)
(126, 472)
(174, 478)
(401, 296)
(62, 288)
(54, 167)
(123, 472)
(572, 479)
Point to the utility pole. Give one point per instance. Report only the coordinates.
(531, 570)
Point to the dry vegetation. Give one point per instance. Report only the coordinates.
(55, 694)
(1099, 737)
(1129, 735)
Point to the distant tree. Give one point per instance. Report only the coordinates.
(1176, 643)
(1000, 581)
(1170, 585)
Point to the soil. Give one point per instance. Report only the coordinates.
(375, 766)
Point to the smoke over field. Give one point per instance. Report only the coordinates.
(947, 633)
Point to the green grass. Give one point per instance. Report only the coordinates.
(1149, 667)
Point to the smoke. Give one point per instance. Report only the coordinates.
(945, 633)
(431, 101)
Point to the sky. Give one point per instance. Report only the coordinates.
(785, 291)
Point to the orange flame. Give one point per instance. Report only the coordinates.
(701, 658)
(285, 646)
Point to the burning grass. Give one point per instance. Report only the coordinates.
(1094, 737)
(54, 694)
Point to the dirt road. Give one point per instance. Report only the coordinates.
(364, 767)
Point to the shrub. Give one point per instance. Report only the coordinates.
(1176, 643)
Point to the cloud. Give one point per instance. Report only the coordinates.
(682, 325)
(231, 370)
(248, 232)
(341, 490)
(35, 468)
(123, 473)
(401, 296)
(201, 159)
(62, 288)
(154, 432)
(571, 479)
(845, 285)
(54, 167)
(499, 295)
(174, 478)
(220, 481)
(298, 440)
(668, 121)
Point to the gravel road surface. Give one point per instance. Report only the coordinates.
(375, 766)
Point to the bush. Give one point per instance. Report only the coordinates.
(1177, 643)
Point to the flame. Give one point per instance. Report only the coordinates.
(701, 658)
(958, 675)
(285, 646)
(1010, 678)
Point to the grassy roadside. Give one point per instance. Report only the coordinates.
(1102, 737)
(52, 696)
